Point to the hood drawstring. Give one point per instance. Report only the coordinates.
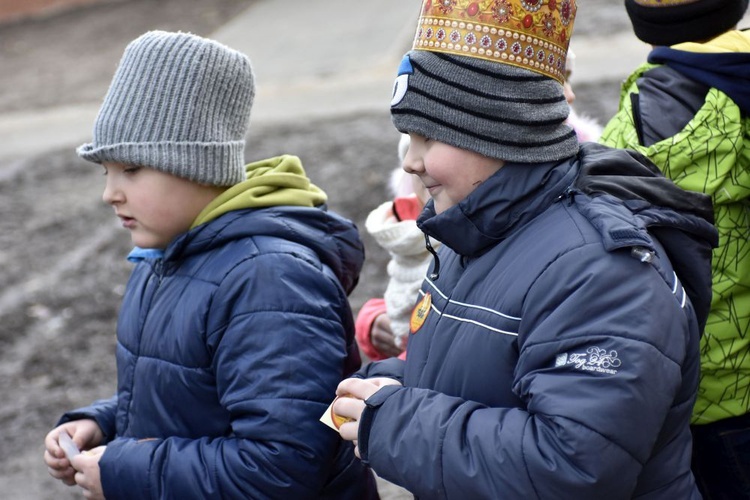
(436, 270)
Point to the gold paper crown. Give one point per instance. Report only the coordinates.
(530, 34)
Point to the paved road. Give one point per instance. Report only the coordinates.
(316, 59)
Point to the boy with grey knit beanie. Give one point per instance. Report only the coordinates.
(235, 326)
(553, 347)
(687, 108)
(178, 104)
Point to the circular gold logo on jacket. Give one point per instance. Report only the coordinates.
(419, 314)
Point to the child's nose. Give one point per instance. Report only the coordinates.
(111, 193)
(412, 163)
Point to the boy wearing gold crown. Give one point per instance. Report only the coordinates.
(687, 110)
(554, 345)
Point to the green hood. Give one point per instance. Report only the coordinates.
(269, 183)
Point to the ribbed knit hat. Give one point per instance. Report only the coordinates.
(668, 22)
(180, 104)
(489, 81)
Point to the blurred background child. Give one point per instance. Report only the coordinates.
(586, 128)
(382, 326)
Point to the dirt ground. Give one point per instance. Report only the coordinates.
(62, 266)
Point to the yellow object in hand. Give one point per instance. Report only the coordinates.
(331, 419)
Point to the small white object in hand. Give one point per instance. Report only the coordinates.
(68, 446)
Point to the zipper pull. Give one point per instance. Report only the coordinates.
(642, 254)
(435, 270)
(568, 193)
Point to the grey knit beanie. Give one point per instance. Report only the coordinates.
(180, 104)
(487, 77)
(493, 109)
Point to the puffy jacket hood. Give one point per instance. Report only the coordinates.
(681, 220)
(278, 182)
(334, 239)
(629, 175)
(285, 204)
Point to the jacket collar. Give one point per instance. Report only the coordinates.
(722, 63)
(515, 194)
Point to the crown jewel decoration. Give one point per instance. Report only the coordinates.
(530, 34)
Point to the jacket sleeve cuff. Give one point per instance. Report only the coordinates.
(368, 416)
(125, 468)
(101, 411)
(391, 368)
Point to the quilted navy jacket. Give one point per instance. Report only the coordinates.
(555, 347)
(229, 349)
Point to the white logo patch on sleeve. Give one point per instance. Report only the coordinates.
(593, 360)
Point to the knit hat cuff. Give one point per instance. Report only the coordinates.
(214, 164)
(494, 109)
(543, 150)
(691, 22)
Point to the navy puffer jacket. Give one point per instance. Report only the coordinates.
(555, 354)
(232, 409)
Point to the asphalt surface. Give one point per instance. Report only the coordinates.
(322, 59)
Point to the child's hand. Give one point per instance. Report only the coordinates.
(382, 337)
(88, 475)
(354, 392)
(85, 433)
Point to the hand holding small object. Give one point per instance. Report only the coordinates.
(64, 443)
(350, 404)
(88, 474)
(331, 418)
(67, 444)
